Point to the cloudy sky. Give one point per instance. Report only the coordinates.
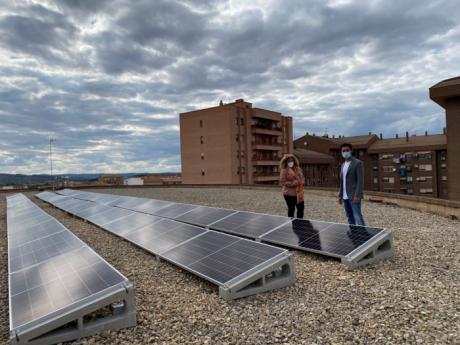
(107, 79)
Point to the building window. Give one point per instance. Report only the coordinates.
(202, 172)
(388, 190)
(410, 191)
(423, 155)
(386, 156)
(388, 169)
(202, 155)
(202, 140)
(443, 178)
(443, 165)
(201, 123)
(388, 180)
(425, 178)
(425, 167)
(376, 180)
(241, 121)
(426, 190)
(305, 143)
(374, 168)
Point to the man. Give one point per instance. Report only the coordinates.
(351, 185)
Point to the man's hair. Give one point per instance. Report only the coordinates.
(346, 145)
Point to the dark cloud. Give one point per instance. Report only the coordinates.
(107, 79)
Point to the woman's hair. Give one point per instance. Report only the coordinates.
(284, 160)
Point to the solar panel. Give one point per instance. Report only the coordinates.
(353, 244)
(219, 257)
(92, 211)
(161, 236)
(130, 223)
(151, 206)
(241, 267)
(109, 215)
(174, 210)
(249, 224)
(39, 250)
(55, 278)
(355, 250)
(204, 216)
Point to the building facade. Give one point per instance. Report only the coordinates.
(447, 94)
(330, 146)
(411, 165)
(233, 144)
(414, 165)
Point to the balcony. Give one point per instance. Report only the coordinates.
(267, 131)
(256, 161)
(270, 147)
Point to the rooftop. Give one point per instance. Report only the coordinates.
(435, 141)
(312, 157)
(409, 299)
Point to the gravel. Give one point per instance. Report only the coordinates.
(412, 298)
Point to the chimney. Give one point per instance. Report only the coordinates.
(397, 136)
(221, 103)
(426, 133)
(333, 136)
(407, 136)
(306, 133)
(381, 136)
(370, 133)
(444, 131)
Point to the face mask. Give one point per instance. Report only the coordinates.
(346, 154)
(290, 164)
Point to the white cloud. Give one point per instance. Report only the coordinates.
(109, 78)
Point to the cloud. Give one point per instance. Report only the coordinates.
(108, 79)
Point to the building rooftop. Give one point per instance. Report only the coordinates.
(312, 157)
(357, 140)
(445, 89)
(328, 303)
(433, 142)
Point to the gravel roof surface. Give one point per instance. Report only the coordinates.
(412, 298)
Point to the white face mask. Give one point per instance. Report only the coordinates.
(290, 164)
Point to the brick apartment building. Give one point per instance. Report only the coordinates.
(233, 143)
(409, 165)
(447, 94)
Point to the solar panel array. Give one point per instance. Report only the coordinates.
(238, 266)
(53, 274)
(354, 245)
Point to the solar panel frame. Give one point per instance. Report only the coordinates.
(281, 262)
(227, 241)
(34, 328)
(205, 220)
(249, 227)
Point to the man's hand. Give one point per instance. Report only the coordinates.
(356, 200)
(339, 200)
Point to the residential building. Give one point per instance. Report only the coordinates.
(447, 94)
(111, 179)
(411, 165)
(233, 143)
(331, 146)
(133, 181)
(318, 168)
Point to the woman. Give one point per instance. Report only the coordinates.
(291, 180)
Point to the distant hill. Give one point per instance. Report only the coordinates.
(12, 179)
